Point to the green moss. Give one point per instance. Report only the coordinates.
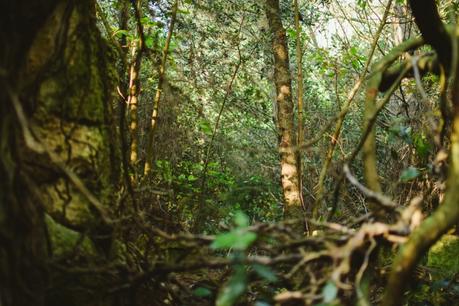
(119, 252)
(73, 117)
(442, 263)
(443, 257)
(77, 87)
(64, 241)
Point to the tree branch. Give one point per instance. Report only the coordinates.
(428, 20)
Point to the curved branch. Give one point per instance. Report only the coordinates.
(428, 20)
(379, 198)
(371, 107)
(444, 218)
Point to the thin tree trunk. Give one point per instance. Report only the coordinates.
(123, 88)
(159, 89)
(399, 26)
(134, 84)
(283, 83)
(300, 106)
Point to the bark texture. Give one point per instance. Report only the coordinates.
(283, 83)
(57, 148)
(23, 276)
(134, 84)
(159, 90)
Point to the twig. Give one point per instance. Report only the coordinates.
(417, 77)
(358, 279)
(378, 198)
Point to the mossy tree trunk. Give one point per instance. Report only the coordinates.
(56, 81)
(22, 240)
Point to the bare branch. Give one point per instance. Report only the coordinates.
(385, 202)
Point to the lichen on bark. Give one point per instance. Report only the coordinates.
(73, 111)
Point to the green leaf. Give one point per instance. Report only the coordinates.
(422, 145)
(241, 219)
(120, 33)
(205, 127)
(184, 12)
(244, 241)
(291, 33)
(265, 272)
(362, 3)
(149, 41)
(192, 178)
(213, 165)
(234, 239)
(224, 241)
(329, 292)
(237, 239)
(409, 174)
(235, 287)
(355, 64)
(230, 294)
(198, 167)
(202, 292)
(144, 20)
(353, 51)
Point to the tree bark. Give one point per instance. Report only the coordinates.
(123, 22)
(444, 218)
(283, 84)
(159, 89)
(432, 28)
(52, 73)
(134, 84)
(300, 102)
(22, 239)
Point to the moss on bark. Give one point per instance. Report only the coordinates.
(73, 112)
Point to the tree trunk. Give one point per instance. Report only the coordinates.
(123, 22)
(134, 85)
(159, 89)
(300, 104)
(22, 240)
(283, 83)
(57, 136)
